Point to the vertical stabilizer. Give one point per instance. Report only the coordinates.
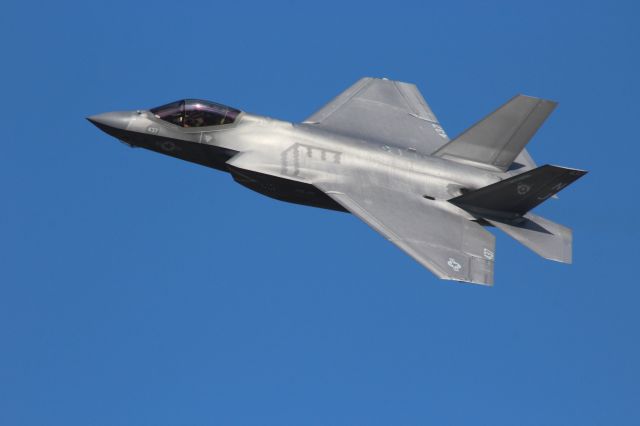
(496, 141)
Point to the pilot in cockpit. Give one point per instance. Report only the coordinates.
(196, 113)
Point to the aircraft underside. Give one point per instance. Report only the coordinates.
(284, 189)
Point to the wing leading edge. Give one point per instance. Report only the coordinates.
(449, 245)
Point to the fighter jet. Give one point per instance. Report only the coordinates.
(378, 151)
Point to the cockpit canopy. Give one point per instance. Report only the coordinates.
(196, 113)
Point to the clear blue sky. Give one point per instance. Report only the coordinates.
(136, 289)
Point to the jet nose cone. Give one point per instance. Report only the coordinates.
(115, 120)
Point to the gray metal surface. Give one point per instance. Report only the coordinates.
(549, 239)
(385, 112)
(449, 245)
(368, 152)
(499, 138)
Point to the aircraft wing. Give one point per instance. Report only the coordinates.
(383, 111)
(449, 245)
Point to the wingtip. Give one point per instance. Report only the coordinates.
(487, 283)
(548, 101)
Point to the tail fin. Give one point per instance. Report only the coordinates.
(514, 197)
(549, 239)
(495, 141)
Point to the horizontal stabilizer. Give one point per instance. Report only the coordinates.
(496, 141)
(549, 239)
(517, 195)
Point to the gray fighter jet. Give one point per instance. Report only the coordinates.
(378, 151)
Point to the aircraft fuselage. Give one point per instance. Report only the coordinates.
(293, 153)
